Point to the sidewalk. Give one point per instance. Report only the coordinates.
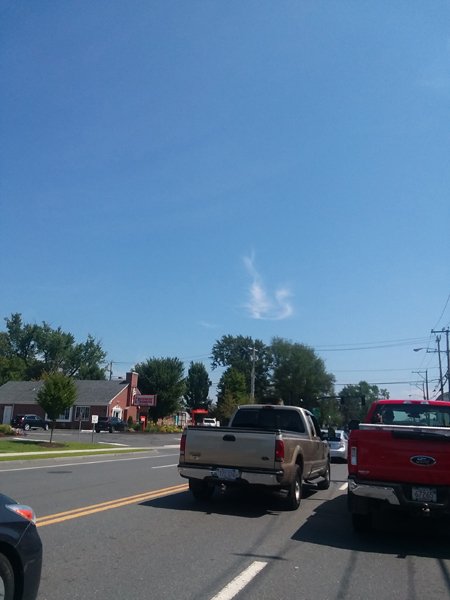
(128, 449)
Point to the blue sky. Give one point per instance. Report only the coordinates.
(177, 170)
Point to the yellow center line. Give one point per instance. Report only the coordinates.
(95, 508)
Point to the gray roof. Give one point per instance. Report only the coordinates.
(89, 392)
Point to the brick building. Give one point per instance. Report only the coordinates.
(102, 398)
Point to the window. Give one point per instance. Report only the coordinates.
(413, 414)
(82, 413)
(65, 416)
(269, 418)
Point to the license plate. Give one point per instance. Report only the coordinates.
(227, 474)
(424, 494)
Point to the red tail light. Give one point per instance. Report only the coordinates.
(183, 443)
(24, 511)
(279, 450)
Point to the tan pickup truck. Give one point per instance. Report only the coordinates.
(271, 446)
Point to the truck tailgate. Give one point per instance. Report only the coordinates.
(230, 447)
(403, 454)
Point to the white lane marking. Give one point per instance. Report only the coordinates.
(343, 487)
(80, 464)
(239, 582)
(165, 466)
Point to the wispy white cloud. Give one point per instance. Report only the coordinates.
(208, 325)
(262, 303)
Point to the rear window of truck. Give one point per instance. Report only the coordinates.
(412, 414)
(269, 418)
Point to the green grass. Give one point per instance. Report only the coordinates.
(8, 446)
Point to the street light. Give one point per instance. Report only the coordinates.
(425, 392)
(438, 352)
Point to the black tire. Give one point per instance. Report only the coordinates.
(6, 578)
(326, 481)
(294, 492)
(361, 523)
(200, 489)
(110, 429)
(27, 427)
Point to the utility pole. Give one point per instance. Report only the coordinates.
(425, 391)
(438, 339)
(252, 377)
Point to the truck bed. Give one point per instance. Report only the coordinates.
(403, 454)
(229, 447)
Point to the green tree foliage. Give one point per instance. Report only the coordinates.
(197, 386)
(331, 413)
(12, 369)
(56, 395)
(28, 351)
(299, 375)
(356, 399)
(237, 352)
(19, 340)
(164, 377)
(232, 391)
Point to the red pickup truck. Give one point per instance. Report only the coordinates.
(399, 459)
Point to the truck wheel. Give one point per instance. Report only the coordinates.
(6, 579)
(200, 489)
(362, 523)
(325, 483)
(294, 493)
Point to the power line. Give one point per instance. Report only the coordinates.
(443, 311)
(372, 370)
(370, 345)
(383, 383)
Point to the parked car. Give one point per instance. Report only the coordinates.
(338, 443)
(20, 551)
(210, 422)
(28, 422)
(110, 424)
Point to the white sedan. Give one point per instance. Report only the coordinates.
(338, 445)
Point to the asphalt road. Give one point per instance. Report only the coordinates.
(125, 527)
(134, 439)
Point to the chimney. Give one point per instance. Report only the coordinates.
(131, 379)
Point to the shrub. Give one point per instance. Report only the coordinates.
(6, 430)
(152, 428)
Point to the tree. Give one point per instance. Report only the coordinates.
(356, 399)
(163, 377)
(42, 349)
(330, 412)
(243, 354)
(56, 395)
(12, 369)
(19, 339)
(197, 386)
(232, 391)
(299, 375)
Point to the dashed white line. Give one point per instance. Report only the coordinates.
(81, 464)
(239, 582)
(165, 466)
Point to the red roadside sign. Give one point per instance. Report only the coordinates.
(145, 399)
